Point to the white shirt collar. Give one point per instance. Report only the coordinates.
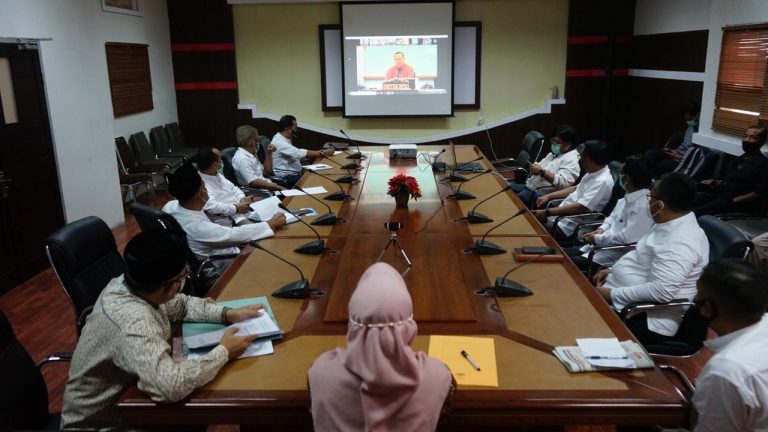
(719, 343)
(634, 196)
(244, 151)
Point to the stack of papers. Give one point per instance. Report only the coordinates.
(263, 210)
(317, 167)
(202, 334)
(602, 354)
(316, 190)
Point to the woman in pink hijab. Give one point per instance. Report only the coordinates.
(378, 383)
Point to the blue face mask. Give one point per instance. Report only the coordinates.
(555, 148)
(220, 170)
(621, 182)
(692, 123)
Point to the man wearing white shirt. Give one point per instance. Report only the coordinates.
(732, 390)
(664, 266)
(248, 169)
(224, 198)
(591, 194)
(629, 221)
(287, 158)
(206, 238)
(559, 169)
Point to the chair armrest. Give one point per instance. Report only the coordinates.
(635, 308)
(554, 202)
(731, 216)
(54, 358)
(689, 387)
(211, 259)
(509, 160)
(154, 168)
(585, 218)
(559, 218)
(278, 181)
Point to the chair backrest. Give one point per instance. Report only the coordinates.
(617, 193)
(23, 394)
(229, 171)
(150, 218)
(141, 147)
(264, 142)
(84, 257)
(687, 341)
(532, 145)
(174, 135)
(125, 153)
(725, 240)
(160, 140)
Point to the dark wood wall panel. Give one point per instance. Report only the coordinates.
(204, 119)
(681, 51)
(204, 66)
(601, 17)
(200, 21)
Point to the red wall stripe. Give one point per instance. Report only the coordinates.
(597, 40)
(585, 73)
(222, 85)
(202, 47)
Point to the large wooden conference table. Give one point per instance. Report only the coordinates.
(270, 392)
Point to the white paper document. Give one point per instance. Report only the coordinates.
(317, 167)
(266, 208)
(309, 191)
(604, 352)
(261, 325)
(254, 350)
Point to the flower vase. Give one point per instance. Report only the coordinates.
(401, 200)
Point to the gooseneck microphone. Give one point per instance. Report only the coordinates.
(297, 289)
(336, 196)
(312, 248)
(438, 166)
(357, 155)
(325, 219)
(508, 288)
(474, 217)
(459, 178)
(349, 178)
(483, 247)
(460, 194)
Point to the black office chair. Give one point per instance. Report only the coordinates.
(228, 154)
(177, 138)
(23, 393)
(146, 154)
(203, 274)
(725, 240)
(532, 145)
(158, 136)
(84, 257)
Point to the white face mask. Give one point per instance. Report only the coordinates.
(650, 213)
(204, 196)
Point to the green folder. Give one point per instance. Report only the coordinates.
(195, 328)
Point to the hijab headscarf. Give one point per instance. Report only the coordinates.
(378, 383)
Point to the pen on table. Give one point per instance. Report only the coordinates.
(605, 357)
(469, 359)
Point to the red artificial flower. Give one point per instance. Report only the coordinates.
(402, 183)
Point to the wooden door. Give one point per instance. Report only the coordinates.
(30, 197)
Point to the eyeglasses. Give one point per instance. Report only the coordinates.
(180, 280)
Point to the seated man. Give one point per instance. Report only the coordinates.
(559, 169)
(629, 221)
(745, 184)
(224, 198)
(669, 157)
(287, 158)
(591, 194)
(206, 238)
(732, 389)
(664, 266)
(248, 169)
(400, 69)
(125, 339)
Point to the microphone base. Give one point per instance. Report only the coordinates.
(461, 195)
(357, 155)
(295, 290)
(351, 166)
(487, 248)
(312, 248)
(476, 218)
(456, 178)
(345, 179)
(439, 167)
(507, 288)
(326, 219)
(336, 196)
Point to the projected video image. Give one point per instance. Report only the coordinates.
(396, 65)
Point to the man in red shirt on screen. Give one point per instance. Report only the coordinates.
(400, 69)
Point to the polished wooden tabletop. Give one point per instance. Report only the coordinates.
(534, 387)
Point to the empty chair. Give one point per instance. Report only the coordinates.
(23, 394)
(128, 163)
(176, 137)
(203, 274)
(84, 257)
(143, 151)
(531, 151)
(158, 136)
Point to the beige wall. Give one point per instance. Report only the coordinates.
(523, 56)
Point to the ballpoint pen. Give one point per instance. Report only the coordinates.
(469, 359)
(606, 357)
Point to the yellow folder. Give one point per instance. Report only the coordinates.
(482, 352)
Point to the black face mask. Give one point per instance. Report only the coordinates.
(749, 147)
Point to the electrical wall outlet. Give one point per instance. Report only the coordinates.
(480, 121)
